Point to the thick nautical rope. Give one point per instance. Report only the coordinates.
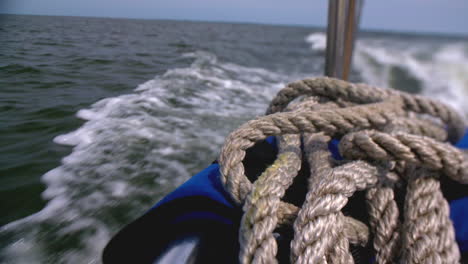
(329, 190)
(386, 139)
(260, 209)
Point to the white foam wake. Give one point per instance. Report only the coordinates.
(135, 148)
(132, 150)
(317, 41)
(438, 70)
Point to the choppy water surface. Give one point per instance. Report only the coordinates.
(102, 117)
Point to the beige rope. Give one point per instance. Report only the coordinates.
(428, 231)
(258, 224)
(364, 94)
(260, 217)
(413, 149)
(328, 193)
(383, 214)
(332, 122)
(389, 139)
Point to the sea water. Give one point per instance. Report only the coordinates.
(100, 118)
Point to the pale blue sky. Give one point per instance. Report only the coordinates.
(444, 16)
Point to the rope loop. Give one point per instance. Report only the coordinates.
(392, 143)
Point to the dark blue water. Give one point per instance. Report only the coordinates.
(102, 117)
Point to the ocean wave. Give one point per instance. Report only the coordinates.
(92, 61)
(439, 71)
(132, 150)
(19, 69)
(317, 41)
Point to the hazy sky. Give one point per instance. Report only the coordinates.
(445, 16)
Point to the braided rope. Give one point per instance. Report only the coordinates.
(364, 94)
(332, 122)
(258, 224)
(386, 139)
(328, 193)
(383, 212)
(417, 150)
(260, 217)
(428, 231)
(418, 127)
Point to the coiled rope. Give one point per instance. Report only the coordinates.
(391, 142)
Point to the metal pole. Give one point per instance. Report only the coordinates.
(343, 23)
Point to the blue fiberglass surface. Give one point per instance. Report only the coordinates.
(459, 216)
(459, 209)
(207, 183)
(463, 143)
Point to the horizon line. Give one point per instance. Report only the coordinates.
(364, 30)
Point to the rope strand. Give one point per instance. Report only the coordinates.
(389, 139)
